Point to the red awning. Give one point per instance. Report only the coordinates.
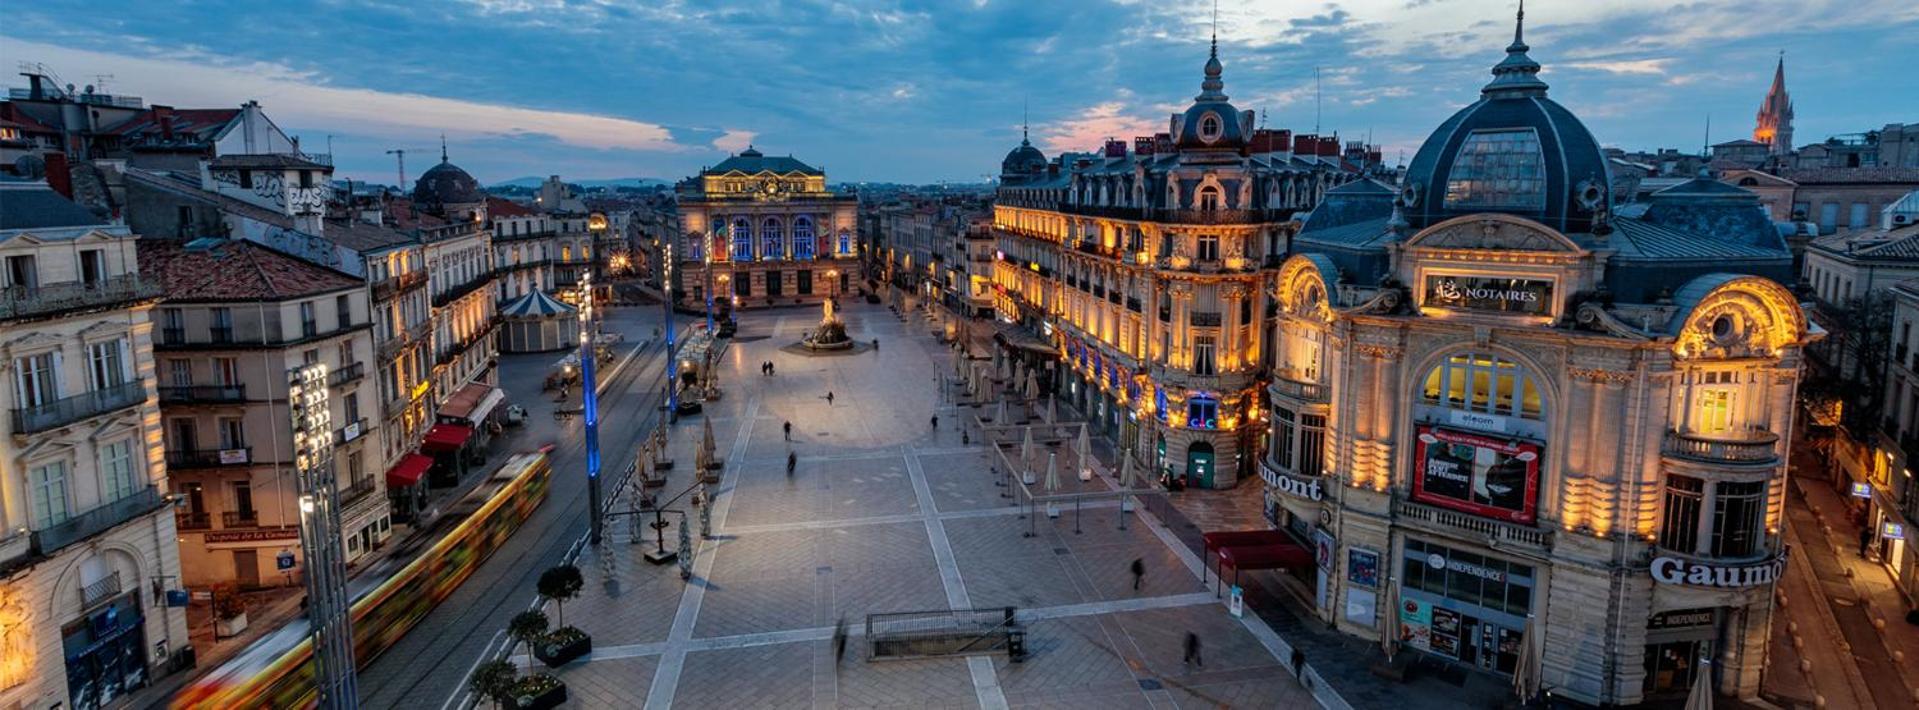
(1287, 556)
(446, 437)
(1241, 538)
(408, 471)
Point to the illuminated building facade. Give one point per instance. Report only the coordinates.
(1140, 269)
(758, 230)
(1499, 394)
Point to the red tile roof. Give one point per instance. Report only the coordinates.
(500, 207)
(234, 271)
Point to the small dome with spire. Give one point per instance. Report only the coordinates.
(1212, 122)
(446, 184)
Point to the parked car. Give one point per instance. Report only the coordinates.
(515, 415)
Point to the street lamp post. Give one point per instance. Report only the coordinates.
(672, 346)
(590, 406)
(328, 606)
(719, 239)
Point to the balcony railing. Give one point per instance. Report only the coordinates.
(240, 519)
(61, 412)
(1221, 216)
(359, 489)
(1493, 531)
(1132, 213)
(98, 520)
(396, 285)
(107, 588)
(346, 373)
(1302, 391)
(203, 394)
(353, 430)
(193, 521)
(209, 458)
(30, 301)
(1751, 448)
(483, 280)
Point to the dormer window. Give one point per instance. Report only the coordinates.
(1209, 127)
(1209, 198)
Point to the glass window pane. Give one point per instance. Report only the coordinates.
(1498, 169)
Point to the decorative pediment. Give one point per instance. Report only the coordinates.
(31, 341)
(104, 330)
(1492, 231)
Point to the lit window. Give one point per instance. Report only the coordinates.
(803, 245)
(742, 240)
(1202, 412)
(1715, 411)
(1498, 169)
(772, 239)
(1483, 383)
(1203, 355)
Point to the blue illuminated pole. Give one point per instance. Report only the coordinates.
(590, 405)
(719, 240)
(672, 343)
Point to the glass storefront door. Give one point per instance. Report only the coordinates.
(104, 653)
(1671, 667)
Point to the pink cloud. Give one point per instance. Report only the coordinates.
(1093, 126)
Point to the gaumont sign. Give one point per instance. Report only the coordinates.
(1490, 293)
(1292, 485)
(1673, 570)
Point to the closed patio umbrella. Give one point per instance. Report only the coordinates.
(1526, 669)
(1126, 480)
(999, 414)
(1026, 457)
(1701, 696)
(1052, 410)
(1084, 448)
(1388, 626)
(1032, 385)
(1052, 483)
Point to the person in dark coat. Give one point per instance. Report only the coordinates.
(1139, 572)
(1192, 650)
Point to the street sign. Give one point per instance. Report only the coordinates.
(1895, 531)
(177, 597)
(1862, 490)
(283, 562)
(1236, 604)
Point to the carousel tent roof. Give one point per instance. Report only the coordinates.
(535, 304)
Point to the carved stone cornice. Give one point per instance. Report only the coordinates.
(1382, 352)
(1600, 376)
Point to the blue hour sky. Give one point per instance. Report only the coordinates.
(923, 91)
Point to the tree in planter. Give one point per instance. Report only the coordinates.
(559, 584)
(496, 681)
(528, 627)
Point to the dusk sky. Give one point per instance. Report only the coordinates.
(930, 91)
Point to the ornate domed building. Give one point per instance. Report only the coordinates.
(449, 192)
(1023, 164)
(1534, 426)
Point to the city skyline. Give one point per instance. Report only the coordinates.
(920, 92)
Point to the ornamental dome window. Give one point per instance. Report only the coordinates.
(1209, 127)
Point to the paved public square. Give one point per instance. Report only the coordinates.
(885, 514)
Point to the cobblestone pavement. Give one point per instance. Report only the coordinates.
(886, 514)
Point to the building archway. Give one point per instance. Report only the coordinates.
(1200, 464)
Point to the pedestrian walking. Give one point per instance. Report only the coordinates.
(936, 421)
(792, 460)
(1192, 650)
(788, 428)
(829, 398)
(772, 369)
(1139, 571)
(1865, 540)
(839, 640)
(1299, 665)
(966, 439)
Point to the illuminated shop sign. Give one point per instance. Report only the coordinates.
(1496, 478)
(1531, 297)
(1673, 570)
(1291, 485)
(1862, 490)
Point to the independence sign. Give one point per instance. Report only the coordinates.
(1532, 297)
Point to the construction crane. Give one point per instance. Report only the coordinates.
(400, 153)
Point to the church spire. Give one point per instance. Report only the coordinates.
(1517, 75)
(1773, 125)
(443, 148)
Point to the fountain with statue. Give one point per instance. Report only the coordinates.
(830, 334)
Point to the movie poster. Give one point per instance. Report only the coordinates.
(1478, 474)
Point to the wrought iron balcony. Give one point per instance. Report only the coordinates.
(61, 412)
(1312, 392)
(1494, 532)
(395, 285)
(240, 519)
(209, 458)
(359, 490)
(106, 588)
(203, 394)
(1755, 448)
(192, 521)
(98, 520)
(51, 299)
(1220, 216)
(353, 430)
(345, 374)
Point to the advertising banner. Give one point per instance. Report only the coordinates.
(1531, 297)
(1415, 623)
(1482, 475)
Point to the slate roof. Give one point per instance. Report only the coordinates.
(1873, 243)
(202, 122)
(751, 161)
(266, 160)
(31, 204)
(1635, 238)
(207, 270)
(349, 233)
(1841, 176)
(500, 207)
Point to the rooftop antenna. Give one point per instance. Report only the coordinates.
(1025, 120)
(1262, 118)
(1316, 105)
(1706, 149)
(1215, 27)
(442, 149)
(100, 80)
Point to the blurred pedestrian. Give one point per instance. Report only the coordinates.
(936, 421)
(829, 398)
(1865, 540)
(1192, 650)
(788, 429)
(1299, 664)
(792, 460)
(1139, 571)
(839, 640)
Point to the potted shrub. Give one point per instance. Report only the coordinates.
(528, 627)
(558, 584)
(229, 611)
(495, 681)
(538, 692)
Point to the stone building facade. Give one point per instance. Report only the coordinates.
(1516, 418)
(760, 231)
(1140, 269)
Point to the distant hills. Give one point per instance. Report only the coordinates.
(534, 182)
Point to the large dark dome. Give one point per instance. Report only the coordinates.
(1024, 162)
(1513, 151)
(446, 184)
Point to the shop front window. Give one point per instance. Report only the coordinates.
(1483, 383)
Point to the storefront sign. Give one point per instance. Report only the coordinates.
(177, 598)
(283, 561)
(1415, 624)
(229, 457)
(1892, 531)
(350, 432)
(1359, 606)
(1439, 561)
(1862, 490)
(1672, 570)
(1482, 475)
(1475, 420)
(1488, 293)
(1236, 604)
(1680, 619)
(1294, 486)
(1362, 567)
(1323, 548)
(252, 535)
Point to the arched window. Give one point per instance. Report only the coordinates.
(1202, 412)
(1209, 127)
(695, 249)
(846, 242)
(772, 239)
(742, 239)
(1480, 382)
(1209, 198)
(803, 244)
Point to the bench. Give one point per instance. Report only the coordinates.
(954, 632)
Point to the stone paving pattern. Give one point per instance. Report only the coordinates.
(846, 535)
